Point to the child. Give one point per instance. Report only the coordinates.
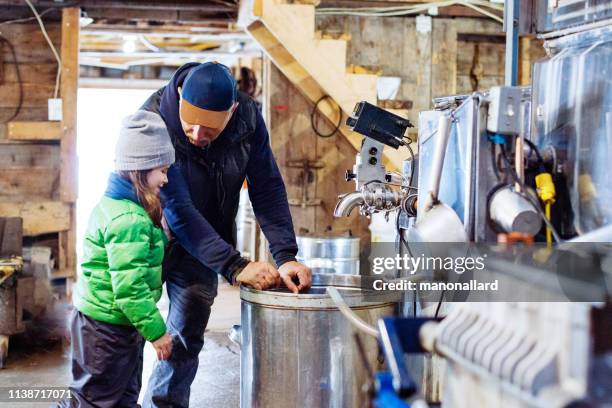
(120, 278)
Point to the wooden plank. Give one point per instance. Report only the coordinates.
(67, 245)
(34, 130)
(479, 66)
(29, 155)
(28, 182)
(257, 8)
(11, 236)
(31, 73)
(69, 169)
(530, 51)
(421, 62)
(443, 58)
(34, 95)
(39, 218)
(69, 86)
(337, 48)
(34, 113)
(127, 14)
(297, 75)
(29, 42)
(291, 139)
(12, 13)
(25, 114)
(293, 28)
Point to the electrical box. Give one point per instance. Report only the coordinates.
(504, 114)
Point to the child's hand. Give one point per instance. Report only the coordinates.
(163, 347)
(166, 228)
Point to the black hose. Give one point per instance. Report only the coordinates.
(312, 118)
(20, 100)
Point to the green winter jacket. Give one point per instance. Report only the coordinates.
(119, 281)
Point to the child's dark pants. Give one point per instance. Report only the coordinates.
(106, 364)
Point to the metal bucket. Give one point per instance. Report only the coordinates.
(299, 350)
(334, 254)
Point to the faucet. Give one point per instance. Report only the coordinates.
(347, 202)
(373, 184)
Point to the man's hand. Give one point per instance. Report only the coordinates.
(259, 275)
(292, 269)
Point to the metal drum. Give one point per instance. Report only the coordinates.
(299, 350)
(334, 254)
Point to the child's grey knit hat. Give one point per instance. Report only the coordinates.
(144, 143)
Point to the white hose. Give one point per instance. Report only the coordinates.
(349, 314)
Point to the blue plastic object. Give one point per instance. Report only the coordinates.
(497, 139)
(385, 394)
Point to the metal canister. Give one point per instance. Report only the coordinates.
(334, 254)
(299, 350)
(513, 212)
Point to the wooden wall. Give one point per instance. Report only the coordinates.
(481, 63)
(38, 158)
(430, 64)
(288, 119)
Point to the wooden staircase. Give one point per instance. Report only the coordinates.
(317, 67)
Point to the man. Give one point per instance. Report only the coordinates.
(220, 139)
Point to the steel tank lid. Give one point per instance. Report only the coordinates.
(316, 298)
(328, 246)
(331, 237)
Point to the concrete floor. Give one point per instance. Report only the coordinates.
(41, 357)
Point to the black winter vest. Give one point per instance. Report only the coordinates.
(215, 173)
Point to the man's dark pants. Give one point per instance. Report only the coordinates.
(106, 364)
(192, 290)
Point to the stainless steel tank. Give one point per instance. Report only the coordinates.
(246, 227)
(335, 254)
(299, 350)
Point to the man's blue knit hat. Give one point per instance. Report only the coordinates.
(207, 96)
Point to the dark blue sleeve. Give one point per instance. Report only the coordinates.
(194, 232)
(269, 197)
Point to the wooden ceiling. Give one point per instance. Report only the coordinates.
(121, 34)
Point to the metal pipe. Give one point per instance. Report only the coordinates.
(349, 314)
(519, 163)
(444, 124)
(511, 22)
(347, 202)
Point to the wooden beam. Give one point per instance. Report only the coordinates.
(38, 217)
(446, 11)
(69, 170)
(34, 95)
(67, 244)
(195, 5)
(34, 130)
(30, 73)
(69, 86)
(20, 154)
(482, 38)
(34, 113)
(30, 44)
(23, 183)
